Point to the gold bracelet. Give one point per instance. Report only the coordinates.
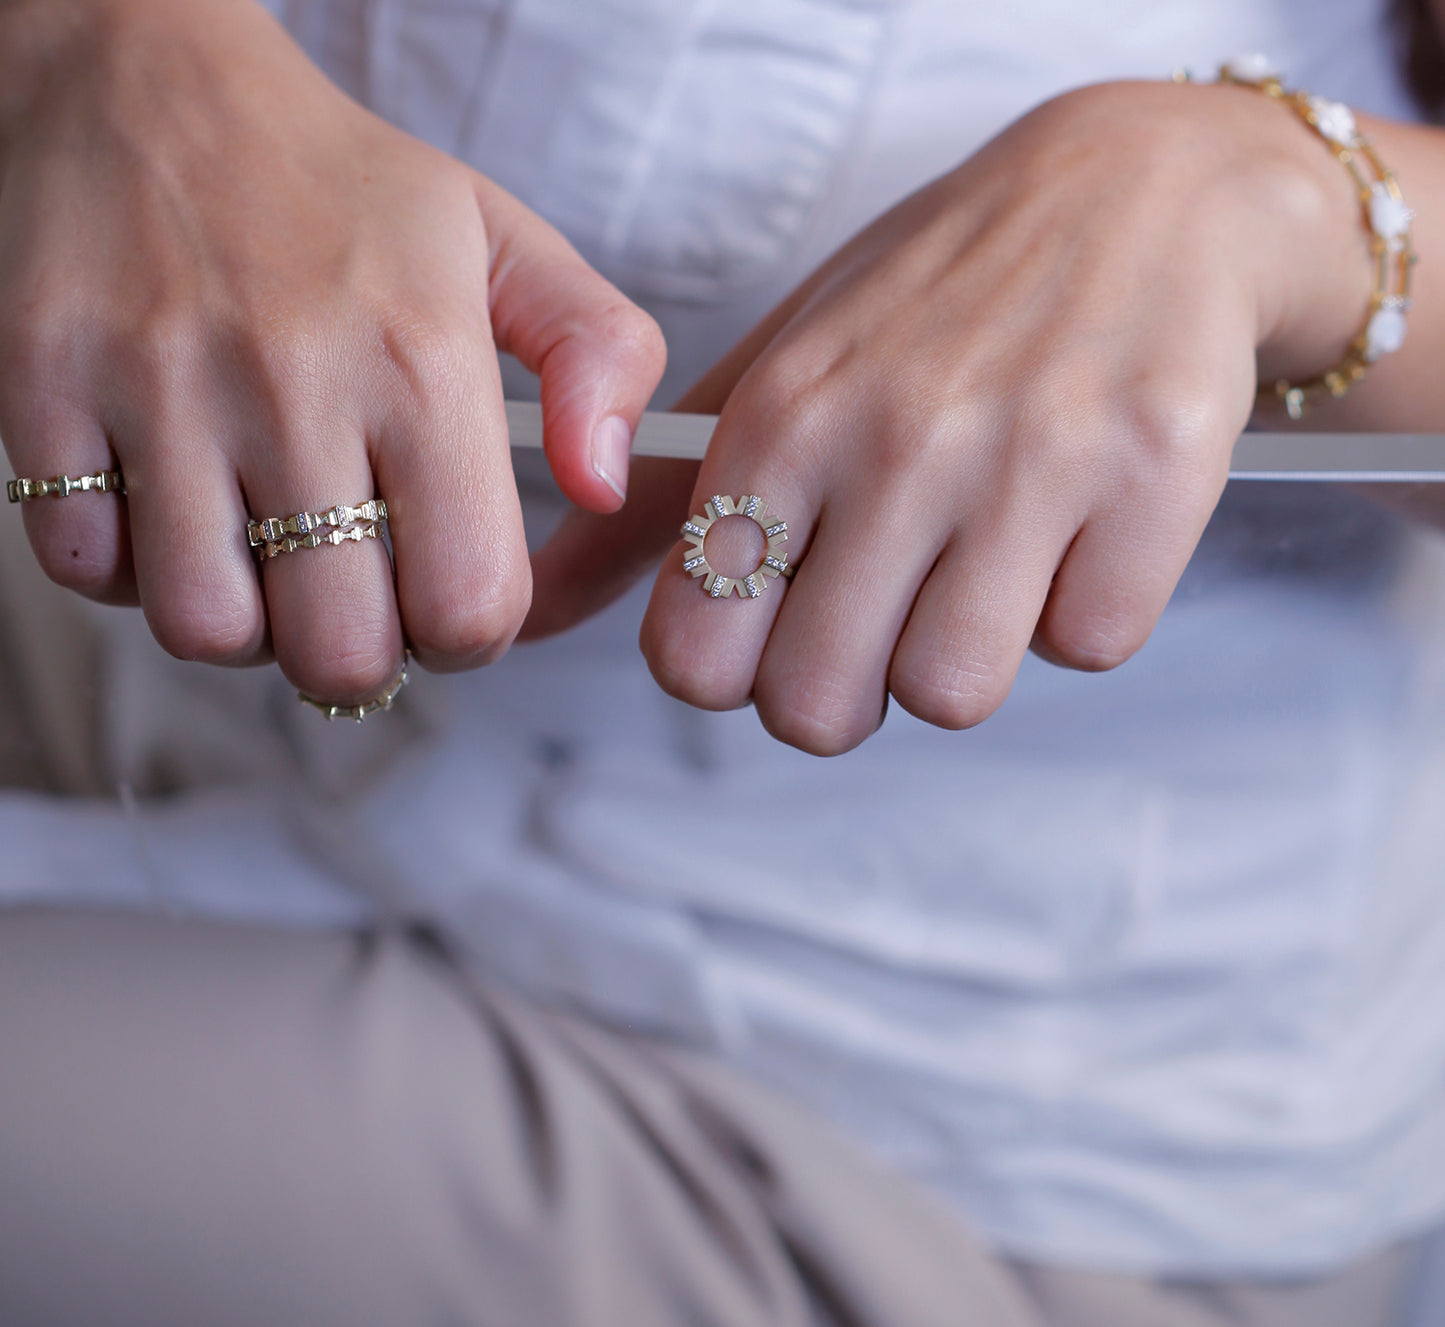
(1386, 218)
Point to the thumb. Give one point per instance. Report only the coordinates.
(598, 355)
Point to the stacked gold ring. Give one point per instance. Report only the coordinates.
(376, 705)
(62, 486)
(291, 544)
(274, 529)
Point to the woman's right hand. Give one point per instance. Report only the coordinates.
(257, 298)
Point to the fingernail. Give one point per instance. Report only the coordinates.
(611, 446)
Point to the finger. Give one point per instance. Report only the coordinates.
(598, 355)
(1117, 578)
(332, 609)
(444, 467)
(195, 579)
(81, 541)
(822, 681)
(591, 560)
(974, 617)
(703, 650)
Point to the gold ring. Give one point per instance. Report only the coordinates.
(775, 530)
(353, 534)
(275, 529)
(375, 705)
(62, 486)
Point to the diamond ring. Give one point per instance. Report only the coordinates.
(774, 563)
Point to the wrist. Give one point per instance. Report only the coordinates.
(49, 45)
(1328, 280)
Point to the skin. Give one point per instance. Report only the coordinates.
(1001, 417)
(259, 298)
(998, 419)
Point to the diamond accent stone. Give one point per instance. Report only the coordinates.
(693, 563)
(753, 589)
(776, 563)
(691, 528)
(719, 585)
(752, 507)
(774, 530)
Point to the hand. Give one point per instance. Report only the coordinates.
(258, 299)
(1000, 417)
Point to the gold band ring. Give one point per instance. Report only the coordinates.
(774, 563)
(275, 529)
(376, 705)
(353, 534)
(62, 486)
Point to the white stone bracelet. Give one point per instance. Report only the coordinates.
(1386, 217)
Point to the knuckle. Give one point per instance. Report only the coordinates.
(634, 335)
(164, 350)
(690, 674)
(822, 717)
(432, 360)
(204, 625)
(1092, 641)
(350, 667)
(949, 692)
(792, 390)
(453, 632)
(1172, 421)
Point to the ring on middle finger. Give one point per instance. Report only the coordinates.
(352, 534)
(297, 528)
(310, 529)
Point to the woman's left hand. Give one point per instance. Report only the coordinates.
(1000, 417)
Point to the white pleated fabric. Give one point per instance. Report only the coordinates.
(1146, 973)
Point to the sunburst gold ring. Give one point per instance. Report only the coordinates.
(775, 562)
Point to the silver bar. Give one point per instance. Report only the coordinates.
(1341, 458)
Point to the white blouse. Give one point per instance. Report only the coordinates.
(1148, 971)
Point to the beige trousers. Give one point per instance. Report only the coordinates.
(210, 1125)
